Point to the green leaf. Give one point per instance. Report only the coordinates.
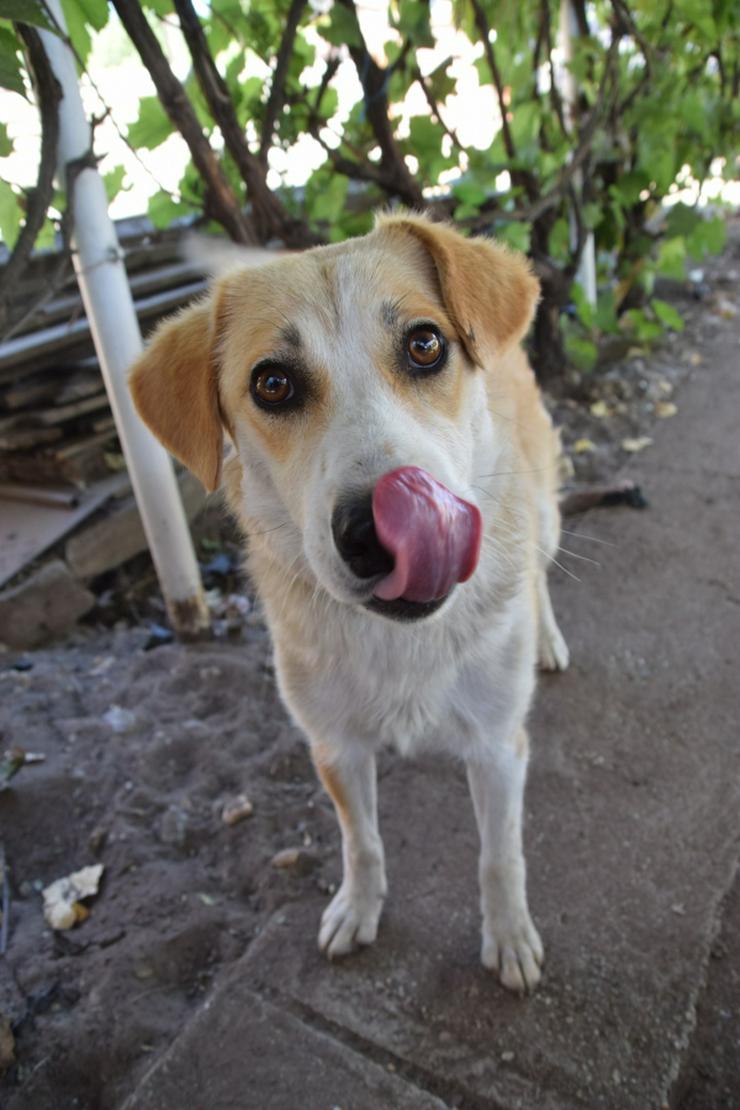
(470, 193)
(329, 203)
(163, 209)
(6, 143)
(672, 258)
(667, 314)
(582, 352)
(95, 12)
(113, 181)
(515, 234)
(413, 22)
(559, 241)
(10, 70)
(10, 215)
(440, 82)
(77, 29)
(425, 143)
(341, 28)
(645, 329)
(708, 237)
(26, 11)
(585, 311)
(153, 125)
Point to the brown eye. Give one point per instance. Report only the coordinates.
(425, 348)
(271, 386)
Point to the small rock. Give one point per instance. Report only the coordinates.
(120, 720)
(43, 606)
(236, 809)
(633, 444)
(173, 828)
(97, 840)
(297, 860)
(507, 1057)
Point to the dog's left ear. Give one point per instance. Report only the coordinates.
(175, 390)
(489, 291)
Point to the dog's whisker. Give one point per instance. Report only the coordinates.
(575, 555)
(593, 539)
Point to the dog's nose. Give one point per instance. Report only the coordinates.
(353, 529)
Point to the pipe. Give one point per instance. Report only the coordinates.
(101, 275)
(567, 31)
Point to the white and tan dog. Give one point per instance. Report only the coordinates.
(395, 475)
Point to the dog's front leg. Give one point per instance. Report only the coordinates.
(511, 945)
(351, 918)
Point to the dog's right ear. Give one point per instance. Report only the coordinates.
(175, 389)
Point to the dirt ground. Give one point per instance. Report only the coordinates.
(142, 792)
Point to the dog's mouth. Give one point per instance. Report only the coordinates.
(433, 537)
(399, 609)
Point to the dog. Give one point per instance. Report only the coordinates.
(395, 474)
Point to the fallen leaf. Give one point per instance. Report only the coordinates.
(664, 409)
(600, 409)
(665, 386)
(63, 907)
(581, 446)
(638, 443)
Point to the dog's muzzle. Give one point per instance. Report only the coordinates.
(414, 536)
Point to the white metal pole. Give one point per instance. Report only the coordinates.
(568, 29)
(101, 275)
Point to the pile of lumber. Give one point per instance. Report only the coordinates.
(55, 422)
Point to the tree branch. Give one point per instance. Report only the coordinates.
(434, 105)
(374, 81)
(221, 200)
(518, 176)
(555, 98)
(49, 95)
(276, 98)
(270, 218)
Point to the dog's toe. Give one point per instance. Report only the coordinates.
(349, 922)
(516, 954)
(552, 650)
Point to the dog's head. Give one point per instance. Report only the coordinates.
(349, 380)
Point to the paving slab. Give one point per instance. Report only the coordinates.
(242, 1053)
(632, 829)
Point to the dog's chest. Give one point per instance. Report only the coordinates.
(433, 687)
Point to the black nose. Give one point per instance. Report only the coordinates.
(353, 529)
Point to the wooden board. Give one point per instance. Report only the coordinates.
(26, 531)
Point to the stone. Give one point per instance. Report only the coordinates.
(45, 606)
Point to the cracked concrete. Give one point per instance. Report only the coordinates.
(632, 831)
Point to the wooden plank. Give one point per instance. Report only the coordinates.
(142, 283)
(48, 342)
(26, 531)
(39, 495)
(20, 439)
(107, 543)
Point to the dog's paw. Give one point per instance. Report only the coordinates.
(514, 950)
(552, 650)
(349, 922)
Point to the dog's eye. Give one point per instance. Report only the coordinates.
(425, 348)
(271, 386)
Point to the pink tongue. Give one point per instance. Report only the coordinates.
(433, 535)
